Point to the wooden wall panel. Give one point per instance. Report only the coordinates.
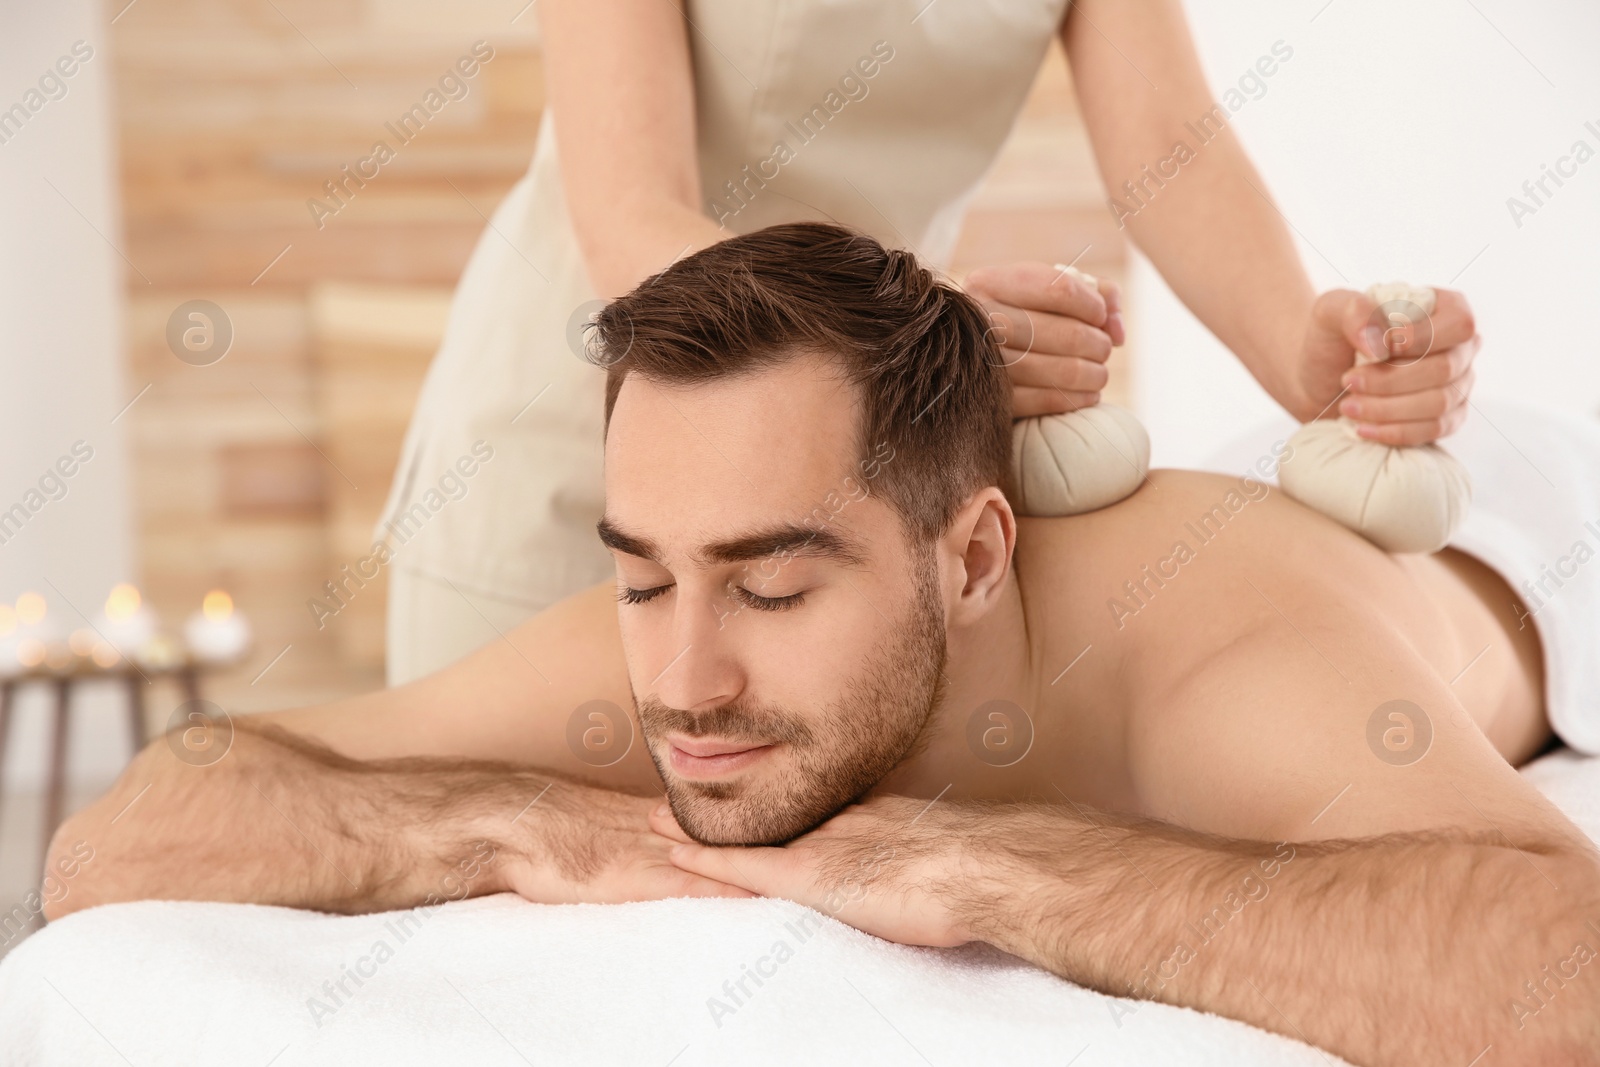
(233, 113)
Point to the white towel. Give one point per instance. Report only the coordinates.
(501, 981)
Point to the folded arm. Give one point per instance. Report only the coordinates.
(1406, 949)
(460, 784)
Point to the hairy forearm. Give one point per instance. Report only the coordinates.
(1200, 212)
(1405, 949)
(280, 820)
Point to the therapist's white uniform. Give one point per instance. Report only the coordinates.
(883, 115)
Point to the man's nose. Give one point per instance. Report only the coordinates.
(701, 671)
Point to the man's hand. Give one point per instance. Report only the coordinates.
(1055, 330)
(892, 866)
(597, 846)
(1417, 394)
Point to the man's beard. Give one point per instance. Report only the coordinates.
(832, 761)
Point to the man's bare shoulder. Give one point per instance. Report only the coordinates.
(1179, 527)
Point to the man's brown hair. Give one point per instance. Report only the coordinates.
(929, 376)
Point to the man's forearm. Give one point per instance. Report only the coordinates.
(279, 820)
(1405, 949)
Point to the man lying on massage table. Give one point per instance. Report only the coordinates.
(862, 683)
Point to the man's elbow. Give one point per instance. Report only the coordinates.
(64, 882)
(78, 861)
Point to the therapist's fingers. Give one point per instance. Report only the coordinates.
(1449, 324)
(1045, 333)
(1396, 379)
(1111, 293)
(1414, 418)
(1402, 333)
(1029, 401)
(1410, 434)
(1068, 373)
(1040, 287)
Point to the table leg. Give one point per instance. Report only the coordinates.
(56, 784)
(137, 730)
(7, 689)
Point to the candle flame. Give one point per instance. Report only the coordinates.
(123, 602)
(30, 608)
(217, 605)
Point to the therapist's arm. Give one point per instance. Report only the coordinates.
(1207, 225)
(1217, 241)
(621, 90)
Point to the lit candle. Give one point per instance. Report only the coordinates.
(31, 613)
(216, 633)
(9, 639)
(126, 622)
(34, 631)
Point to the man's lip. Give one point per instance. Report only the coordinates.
(703, 747)
(721, 758)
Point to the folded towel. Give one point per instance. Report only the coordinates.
(498, 980)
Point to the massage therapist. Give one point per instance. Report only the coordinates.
(669, 129)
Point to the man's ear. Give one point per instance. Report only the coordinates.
(977, 549)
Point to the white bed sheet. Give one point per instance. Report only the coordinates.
(501, 981)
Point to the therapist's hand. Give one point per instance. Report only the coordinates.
(1419, 394)
(1056, 333)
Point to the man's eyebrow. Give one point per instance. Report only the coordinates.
(784, 539)
(628, 544)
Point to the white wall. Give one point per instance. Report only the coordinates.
(1391, 141)
(61, 375)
